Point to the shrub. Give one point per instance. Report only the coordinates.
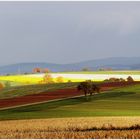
(48, 79)
(122, 80)
(85, 69)
(7, 84)
(1, 86)
(106, 80)
(59, 79)
(114, 80)
(130, 79)
(69, 81)
(25, 73)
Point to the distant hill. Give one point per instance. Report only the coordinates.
(116, 63)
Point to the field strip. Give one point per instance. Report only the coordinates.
(5, 108)
(87, 76)
(72, 128)
(88, 121)
(41, 102)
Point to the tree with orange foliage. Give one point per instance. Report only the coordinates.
(1, 86)
(36, 70)
(48, 79)
(59, 79)
(45, 70)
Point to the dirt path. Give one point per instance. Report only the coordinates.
(48, 96)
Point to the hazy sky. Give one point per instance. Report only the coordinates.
(65, 32)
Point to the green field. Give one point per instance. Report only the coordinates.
(12, 83)
(119, 102)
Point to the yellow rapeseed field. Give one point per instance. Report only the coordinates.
(70, 128)
(21, 79)
(25, 79)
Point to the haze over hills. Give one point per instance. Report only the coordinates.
(116, 63)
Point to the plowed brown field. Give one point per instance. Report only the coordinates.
(59, 94)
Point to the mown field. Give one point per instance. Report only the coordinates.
(91, 127)
(119, 102)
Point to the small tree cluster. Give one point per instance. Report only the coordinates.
(85, 69)
(41, 70)
(45, 70)
(114, 80)
(48, 79)
(36, 70)
(105, 69)
(129, 79)
(88, 87)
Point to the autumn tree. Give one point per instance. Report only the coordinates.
(36, 70)
(45, 70)
(59, 79)
(48, 79)
(1, 86)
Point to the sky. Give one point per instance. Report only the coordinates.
(67, 32)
